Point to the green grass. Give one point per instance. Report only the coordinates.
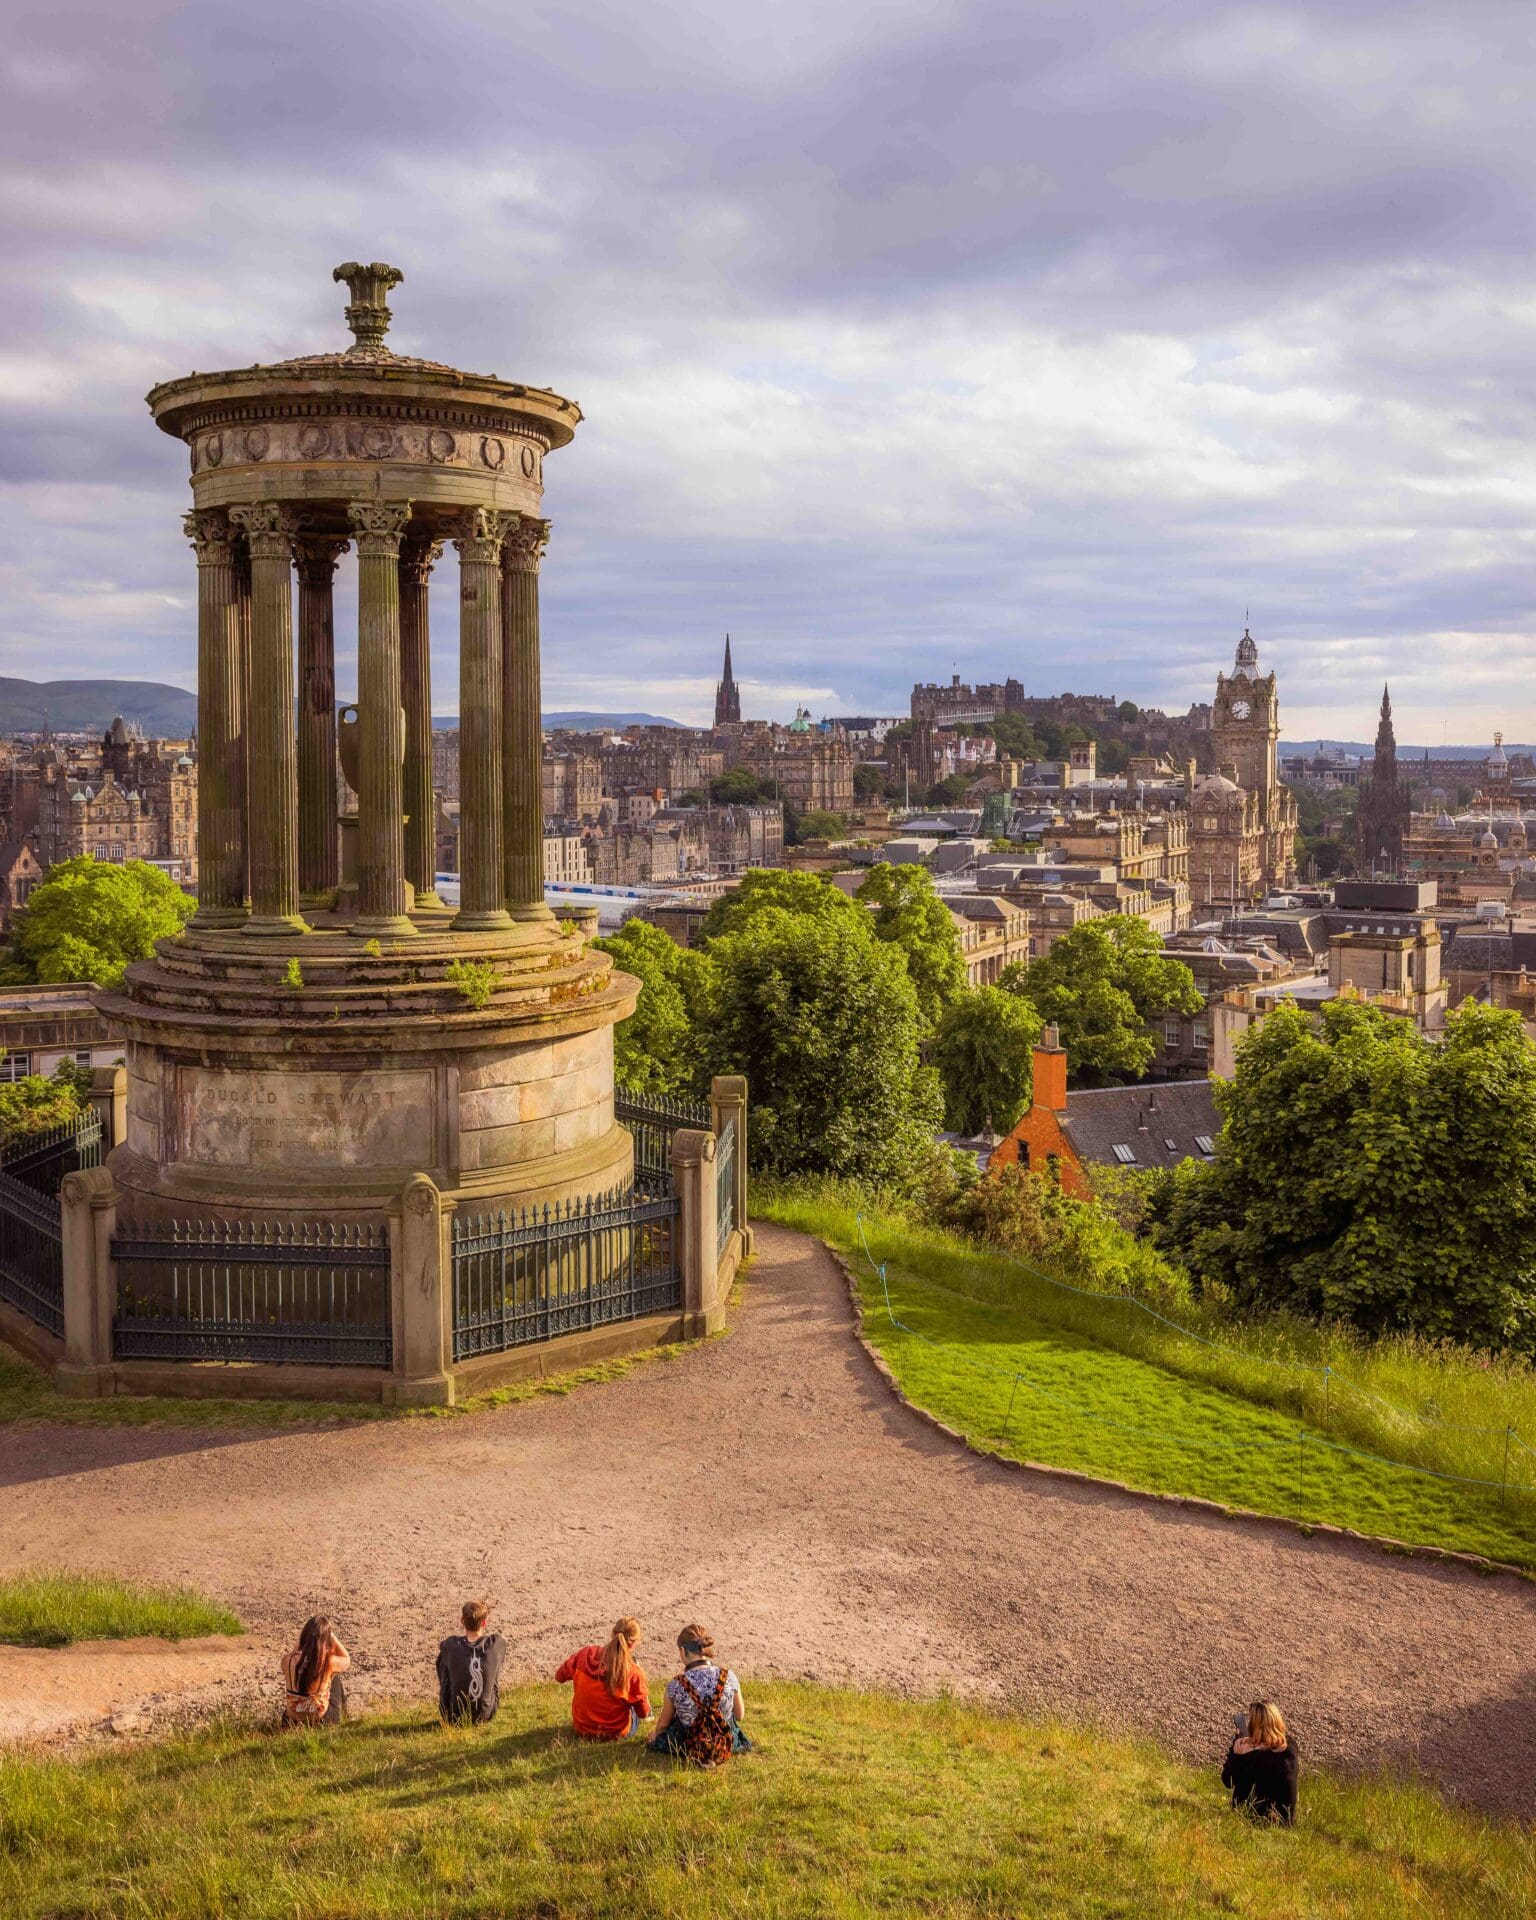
(855, 1805)
(1089, 1405)
(56, 1609)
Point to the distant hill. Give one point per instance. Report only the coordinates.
(579, 721)
(81, 706)
(1367, 748)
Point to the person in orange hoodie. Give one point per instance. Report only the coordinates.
(609, 1696)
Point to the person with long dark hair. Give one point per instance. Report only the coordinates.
(314, 1695)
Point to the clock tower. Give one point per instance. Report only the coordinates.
(1245, 722)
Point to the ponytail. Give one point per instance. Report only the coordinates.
(618, 1665)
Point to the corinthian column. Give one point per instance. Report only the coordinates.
(418, 556)
(319, 853)
(377, 527)
(272, 801)
(220, 748)
(523, 795)
(482, 906)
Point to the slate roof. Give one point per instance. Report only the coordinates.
(1144, 1120)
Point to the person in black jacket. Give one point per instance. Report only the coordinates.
(469, 1669)
(1262, 1765)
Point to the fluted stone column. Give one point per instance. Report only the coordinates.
(522, 773)
(418, 556)
(243, 757)
(220, 746)
(481, 893)
(272, 798)
(377, 527)
(315, 555)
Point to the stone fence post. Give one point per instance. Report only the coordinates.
(693, 1180)
(421, 1288)
(109, 1097)
(88, 1212)
(728, 1101)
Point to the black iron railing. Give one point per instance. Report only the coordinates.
(41, 1160)
(652, 1120)
(725, 1186)
(31, 1253)
(309, 1293)
(534, 1275)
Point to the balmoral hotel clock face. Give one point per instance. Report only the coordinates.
(1241, 709)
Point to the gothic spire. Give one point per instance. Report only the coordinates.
(727, 693)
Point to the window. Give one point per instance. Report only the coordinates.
(1200, 1035)
(1205, 1143)
(1173, 1032)
(83, 1057)
(1171, 1145)
(15, 1066)
(1125, 1156)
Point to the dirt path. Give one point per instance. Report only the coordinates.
(769, 1485)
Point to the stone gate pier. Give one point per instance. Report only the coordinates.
(321, 1034)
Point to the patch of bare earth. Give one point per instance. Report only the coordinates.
(769, 1485)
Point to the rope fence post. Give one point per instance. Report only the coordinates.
(1008, 1421)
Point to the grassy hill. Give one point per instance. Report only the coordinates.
(79, 706)
(853, 1805)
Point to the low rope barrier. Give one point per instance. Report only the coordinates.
(1302, 1440)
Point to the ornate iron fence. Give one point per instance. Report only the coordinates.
(32, 1253)
(41, 1160)
(725, 1186)
(653, 1120)
(534, 1275)
(311, 1293)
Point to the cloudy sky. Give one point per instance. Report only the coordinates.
(1030, 336)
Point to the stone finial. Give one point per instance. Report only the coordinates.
(368, 310)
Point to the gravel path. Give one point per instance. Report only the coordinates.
(769, 1485)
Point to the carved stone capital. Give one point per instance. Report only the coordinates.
(524, 546)
(368, 313)
(315, 555)
(212, 538)
(378, 525)
(480, 533)
(418, 556)
(269, 528)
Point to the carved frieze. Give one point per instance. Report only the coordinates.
(407, 442)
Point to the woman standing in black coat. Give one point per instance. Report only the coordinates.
(1262, 1765)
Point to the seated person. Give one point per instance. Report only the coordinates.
(1262, 1765)
(314, 1695)
(469, 1669)
(609, 1696)
(701, 1716)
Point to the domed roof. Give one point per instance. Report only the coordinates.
(1489, 838)
(1443, 821)
(1215, 783)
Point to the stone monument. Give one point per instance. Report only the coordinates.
(306, 1045)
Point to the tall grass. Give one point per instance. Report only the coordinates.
(1437, 1406)
(855, 1805)
(56, 1609)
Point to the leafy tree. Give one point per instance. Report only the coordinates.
(763, 889)
(1100, 985)
(868, 781)
(983, 1053)
(658, 1049)
(1369, 1174)
(948, 792)
(822, 1019)
(818, 824)
(90, 918)
(690, 797)
(740, 787)
(1128, 711)
(35, 1105)
(1016, 738)
(910, 914)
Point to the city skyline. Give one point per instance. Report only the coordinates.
(943, 339)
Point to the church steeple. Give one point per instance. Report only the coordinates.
(727, 694)
(1381, 821)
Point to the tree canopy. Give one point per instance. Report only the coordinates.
(90, 918)
(765, 888)
(659, 1048)
(910, 915)
(1370, 1174)
(822, 1018)
(35, 1105)
(739, 787)
(984, 1053)
(1100, 985)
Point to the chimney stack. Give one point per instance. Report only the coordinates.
(1051, 1072)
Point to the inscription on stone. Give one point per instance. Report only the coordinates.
(304, 1120)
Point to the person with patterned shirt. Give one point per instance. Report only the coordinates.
(705, 1694)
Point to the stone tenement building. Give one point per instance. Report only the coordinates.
(1242, 841)
(1381, 823)
(961, 705)
(675, 759)
(805, 766)
(124, 799)
(573, 785)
